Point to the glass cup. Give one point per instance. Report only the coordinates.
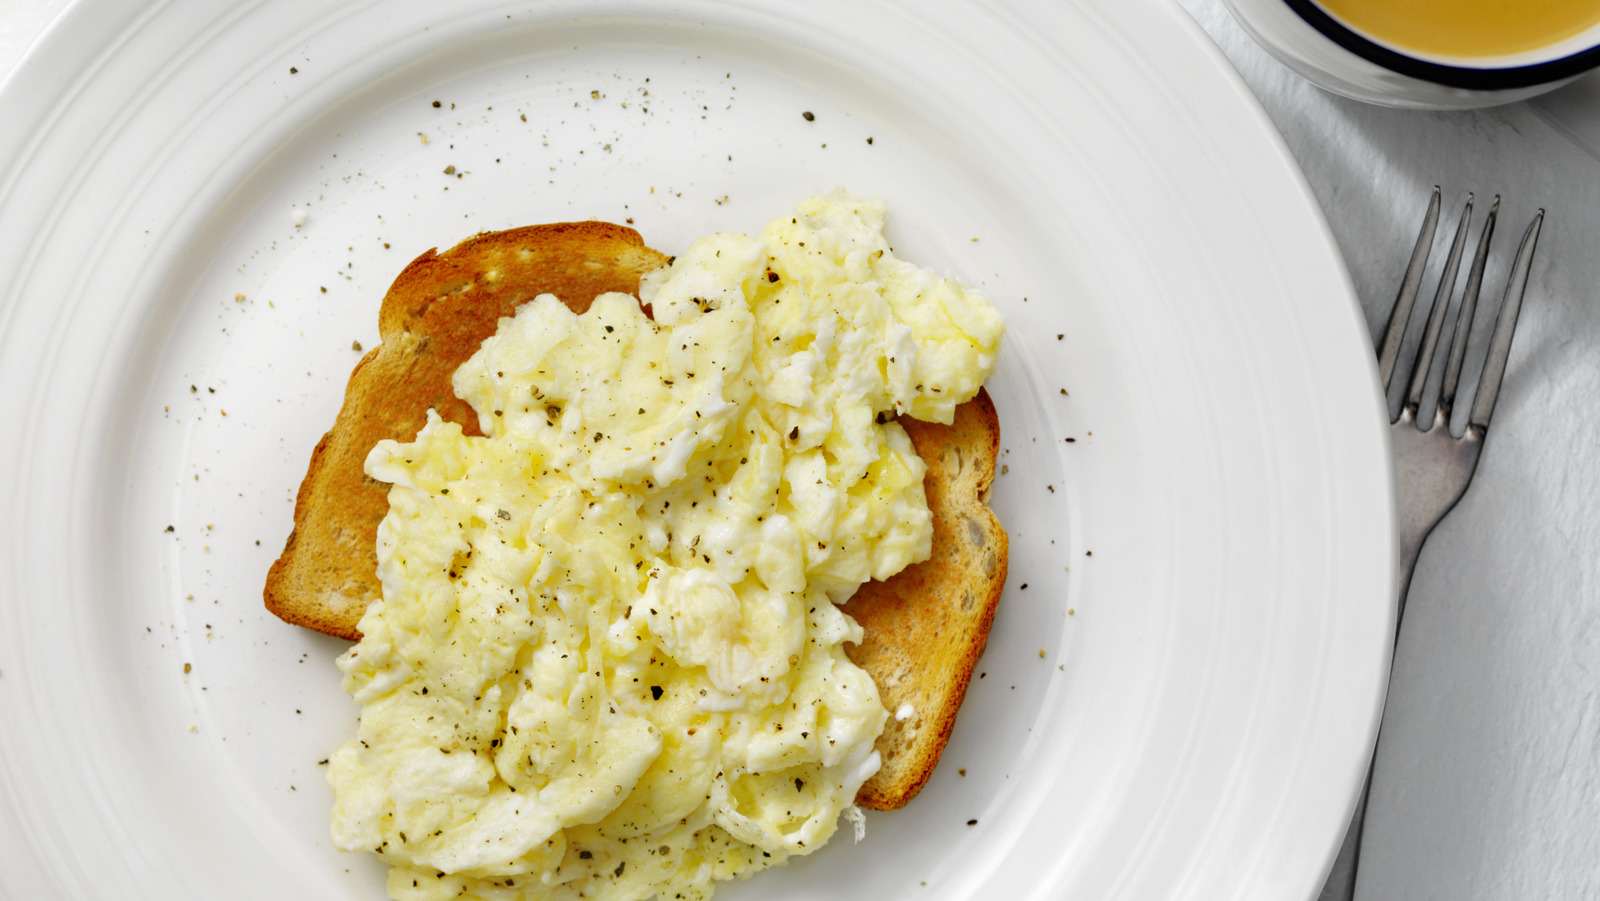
(1340, 58)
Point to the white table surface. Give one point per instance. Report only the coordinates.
(1488, 773)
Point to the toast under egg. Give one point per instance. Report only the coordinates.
(924, 628)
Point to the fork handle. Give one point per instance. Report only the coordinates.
(1341, 884)
(1410, 549)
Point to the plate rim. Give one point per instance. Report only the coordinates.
(60, 31)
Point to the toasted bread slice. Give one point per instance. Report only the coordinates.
(925, 627)
(435, 316)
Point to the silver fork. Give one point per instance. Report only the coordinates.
(1432, 466)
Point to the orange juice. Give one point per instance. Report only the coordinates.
(1467, 28)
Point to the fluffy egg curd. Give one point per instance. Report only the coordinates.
(608, 661)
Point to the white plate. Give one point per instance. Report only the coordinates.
(1206, 568)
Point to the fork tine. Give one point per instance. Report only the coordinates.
(1395, 332)
(1469, 306)
(1441, 304)
(1494, 369)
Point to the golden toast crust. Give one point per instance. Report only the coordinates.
(927, 625)
(435, 315)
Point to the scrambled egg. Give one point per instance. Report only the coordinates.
(608, 661)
